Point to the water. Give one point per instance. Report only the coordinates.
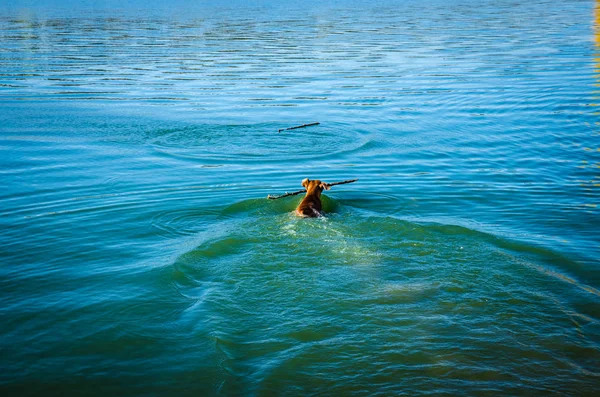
(140, 256)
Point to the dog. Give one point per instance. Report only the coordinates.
(310, 206)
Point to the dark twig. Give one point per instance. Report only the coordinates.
(298, 126)
(304, 190)
(286, 194)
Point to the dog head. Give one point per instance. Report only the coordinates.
(315, 185)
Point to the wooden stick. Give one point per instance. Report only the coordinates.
(298, 126)
(304, 190)
(286, 194)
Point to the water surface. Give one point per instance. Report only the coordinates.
(140, 256)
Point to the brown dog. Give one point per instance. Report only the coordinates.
(311, 204)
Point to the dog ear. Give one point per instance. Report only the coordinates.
(305, 182)
(325, 186)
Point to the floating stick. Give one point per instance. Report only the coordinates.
(298, 126)
(304, 190)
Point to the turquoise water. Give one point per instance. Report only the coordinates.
(140, 256)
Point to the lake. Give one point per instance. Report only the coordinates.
(139, 252)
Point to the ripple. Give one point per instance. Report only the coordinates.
(256, 143)
(180, 222)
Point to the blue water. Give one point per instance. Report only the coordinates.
(140, 256)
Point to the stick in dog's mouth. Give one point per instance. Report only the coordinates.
(286, 194)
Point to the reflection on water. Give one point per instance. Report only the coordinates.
(141, 256)
(594, 182)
